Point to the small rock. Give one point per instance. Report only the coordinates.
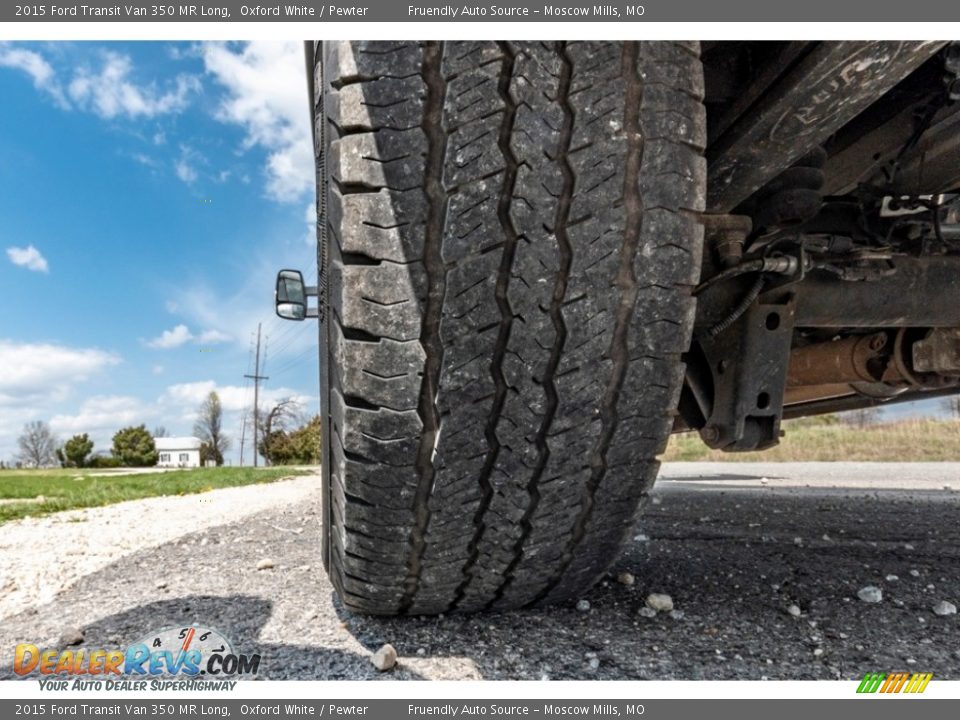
(907, 546)
(676, 614)
(73, 636)
(891, 578)
(817, 652)
(626, 578)
(161, 585)
(265, 564)
(647, 612)
(660, 602)
(914, 573)
(763, 481)
(583, 605)
(594, 663)
(656, 500)
(870, 594)
(385, 658)
(794, 610)
(640, 538)
(944, 607)
(421, 651)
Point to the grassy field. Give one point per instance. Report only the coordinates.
(40, 492)
(812, 440)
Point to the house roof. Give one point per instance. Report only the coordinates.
(177, 443)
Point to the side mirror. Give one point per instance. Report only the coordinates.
(291, 295)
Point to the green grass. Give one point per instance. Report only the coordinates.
(809, 440)
(64, 489)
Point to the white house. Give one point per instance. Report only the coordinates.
(183, 452)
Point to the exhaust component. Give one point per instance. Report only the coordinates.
(856, 359)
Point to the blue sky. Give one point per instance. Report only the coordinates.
(148, 194)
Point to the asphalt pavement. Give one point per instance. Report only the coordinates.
(764, 563)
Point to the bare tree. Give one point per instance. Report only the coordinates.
(285, 414)
(209, 428)
(951, 406)
(160, 431)
(38, 445)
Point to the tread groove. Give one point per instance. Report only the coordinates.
(505, 323)
(565, 248)
(626, 282)
(437, 198)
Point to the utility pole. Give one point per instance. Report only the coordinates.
(243, 435)
(256, 377)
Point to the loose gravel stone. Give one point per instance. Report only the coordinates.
(660, 602)
(794, 610)
(74, 636)
(870, 594)
(385, 658)
(944, 607)
(583, 605)
(647, 612)
(265, 564)
(891, 578)
(626, 578)
(914, 573)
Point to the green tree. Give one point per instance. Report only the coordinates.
(298, 447)
(209, 454)
(76, 450)
(209, 428)
(134, 447)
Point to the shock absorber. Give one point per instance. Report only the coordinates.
(792, 198)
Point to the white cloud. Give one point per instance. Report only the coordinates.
(266, 96)
(233, 398)
(186, 165)
(171, 338)
(28, 257)
(212, 337)
(310, 216)
(185, 171)
(110, 92)
(157, 369)
(144, 160)
(36, 371)
(181, 335)
(101, 416)
(39, 70)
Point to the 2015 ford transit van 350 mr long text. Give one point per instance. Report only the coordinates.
(539, 259)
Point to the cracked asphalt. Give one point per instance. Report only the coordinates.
(734, 545)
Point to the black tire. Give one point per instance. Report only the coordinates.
(512, 240)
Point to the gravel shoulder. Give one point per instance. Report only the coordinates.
(41, 557)
(764, 565)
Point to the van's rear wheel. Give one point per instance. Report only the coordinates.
(512, 243)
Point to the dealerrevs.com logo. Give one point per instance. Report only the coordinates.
(174, 658)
